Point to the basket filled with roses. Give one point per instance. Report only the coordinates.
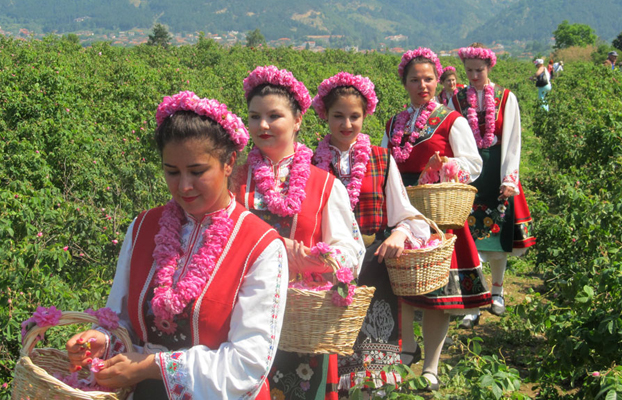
(324, 316)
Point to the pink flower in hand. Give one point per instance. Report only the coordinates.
(449, 171)
(321, 249)
(97, 365)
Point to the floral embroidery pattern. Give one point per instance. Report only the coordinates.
(485, 221)
(511, 178)
(293, 383)
(175, 374)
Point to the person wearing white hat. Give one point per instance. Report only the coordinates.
(543, 81)
(610, 62)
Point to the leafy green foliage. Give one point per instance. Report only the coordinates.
(617, 42)
(479, 376)
(567, 35)
(579, 213)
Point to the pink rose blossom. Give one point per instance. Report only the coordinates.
(47, 316)
(115, 241)
(40, 234)
(344, 275)
(97, 365)
(66, 248)
(321, 249)
(596, 374)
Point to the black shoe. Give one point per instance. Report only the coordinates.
(409, 358)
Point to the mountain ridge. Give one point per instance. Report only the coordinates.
(365, 23)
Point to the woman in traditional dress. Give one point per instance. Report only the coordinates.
(379, 200)
(500, 221)
(305, 204)
(208, 279)
(449, 81)
(417, 138)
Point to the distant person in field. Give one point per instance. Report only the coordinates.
(449, 80)
(557, 68)
(550, 68)
(543, 81)
(500, 222)
(418, 137)
(378, 200)
(199, 279)
(610, 62)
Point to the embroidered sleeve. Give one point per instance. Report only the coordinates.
(113, 346)
(239, 366)
(174, 370)
(465, 151)
(511, 180)
(463, 174)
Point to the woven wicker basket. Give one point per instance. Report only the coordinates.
(422, 271)
(448, 204)
(313, 325)
(33, 378)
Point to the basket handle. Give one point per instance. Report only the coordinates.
(69, 318)
(429, 222)
(331, 262)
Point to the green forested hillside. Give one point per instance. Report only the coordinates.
(447, 23)
(535, 20)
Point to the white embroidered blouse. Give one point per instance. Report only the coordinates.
(239, 366)
(510, 140)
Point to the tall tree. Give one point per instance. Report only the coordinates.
(617, 42)
(567, 35)
(255, 38)
(160, 36)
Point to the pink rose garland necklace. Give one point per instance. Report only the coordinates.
(360, 154)
(278, 204)
(169, 301)
(401, 154)
(489, 106)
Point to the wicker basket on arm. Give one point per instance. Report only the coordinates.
(448, 204)
(314, 325)
(422, 271)
(33, 377)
